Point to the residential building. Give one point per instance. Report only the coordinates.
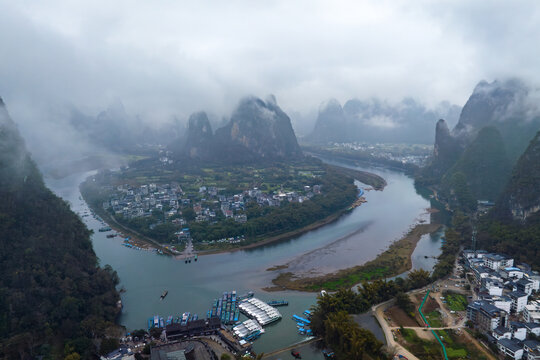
(519, 300)
(485, 315)
(511, 348)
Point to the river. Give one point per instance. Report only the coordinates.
(353, 239)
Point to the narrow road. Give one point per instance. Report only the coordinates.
(393, 346)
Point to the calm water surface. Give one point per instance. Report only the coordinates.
(354, 239)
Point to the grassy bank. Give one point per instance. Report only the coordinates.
(392, 262)
(374, 180)
(277, 238)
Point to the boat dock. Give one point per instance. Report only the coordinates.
(259, 310)
(226, 308)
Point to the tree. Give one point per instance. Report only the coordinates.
(189, 214)
(404, 302)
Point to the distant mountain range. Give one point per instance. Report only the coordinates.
(378, 121)
(496, 125)
(257, 130)
(116, 131)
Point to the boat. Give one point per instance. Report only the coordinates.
(156, 321)
(296, 354)
(185, 317)
(110, 235)
(278, 303)
(163, 295)
(161, 323)
(299, 319)
(195, 317)
(104, 229)
(329, 354)
(169, 320)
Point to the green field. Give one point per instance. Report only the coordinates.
(434, 319)
(456, 347)
(455, 301)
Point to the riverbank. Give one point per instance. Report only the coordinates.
(394, 261)
(282, 237)
(373, 180)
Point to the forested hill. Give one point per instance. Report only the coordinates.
(54, 299)
(513, 226)
(484, 168)
(521, 198)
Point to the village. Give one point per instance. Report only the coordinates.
(169, 203)
(489, 305)
(506, 308)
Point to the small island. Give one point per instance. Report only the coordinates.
(222, 207)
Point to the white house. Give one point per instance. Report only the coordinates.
(524, 285)
(519, 331)
(503, 303)
(502, 333)
(531, 312)
(510, 347)
(533, 328)
(519, 300)
(496, 261)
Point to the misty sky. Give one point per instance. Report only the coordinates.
(173, 57)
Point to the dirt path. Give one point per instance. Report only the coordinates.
(479, 346)
(393, 346)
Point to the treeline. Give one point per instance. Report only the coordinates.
(55, 301)
(518, 240)
(331, 321)
(338, 192)
(364, 158)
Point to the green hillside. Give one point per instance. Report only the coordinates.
(54, 298)
(485, 166)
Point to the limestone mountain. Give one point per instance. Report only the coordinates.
(503, 105)
(199, 137)
(52, 290)
(331, 125)
(485, 167)
(521, 198)
(115, 130)
(374, 120)
(257, 130)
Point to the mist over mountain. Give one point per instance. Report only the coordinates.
(256, 130)
(521, 197)
(115, 130)
(509, 107)
(375, 120)
(51, 289)
(483, 169)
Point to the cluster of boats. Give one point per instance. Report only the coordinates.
(303, 323)
(249, 330)
(157, 321)
(226, 308)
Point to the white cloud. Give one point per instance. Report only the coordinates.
(168, 57)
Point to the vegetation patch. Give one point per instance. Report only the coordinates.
(394, 261)
(455, 301)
